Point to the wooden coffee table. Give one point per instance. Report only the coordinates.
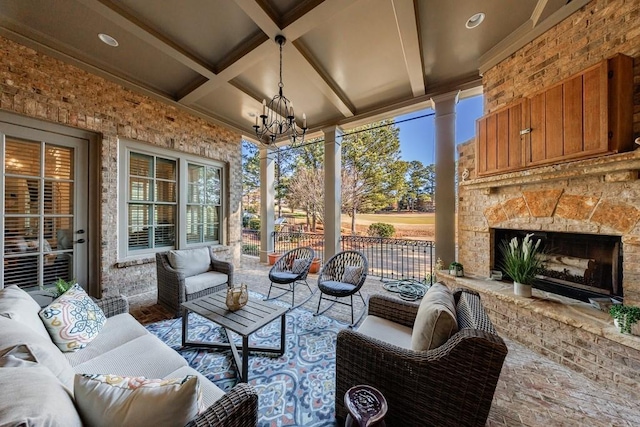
(244, 322)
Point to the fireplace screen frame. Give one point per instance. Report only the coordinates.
(604, 250)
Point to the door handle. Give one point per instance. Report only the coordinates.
(79, 241)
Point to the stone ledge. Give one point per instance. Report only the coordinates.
(612, 166)
(574, 313)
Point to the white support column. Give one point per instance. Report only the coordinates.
(267, 201)
(445, 194)
(332, 190)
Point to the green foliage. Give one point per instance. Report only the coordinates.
(254, 224)
(61, 286)
(456, 266)
(381, 229)
(250, 249)
(521, 260)
(626, 315)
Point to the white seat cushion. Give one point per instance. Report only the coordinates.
(387, 331)
(144, 356)
(204, 281)
(118, 330)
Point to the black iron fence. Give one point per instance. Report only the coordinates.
(250, 242)
(394, 258)
(284, 241)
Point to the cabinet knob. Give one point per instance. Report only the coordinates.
(525, 131)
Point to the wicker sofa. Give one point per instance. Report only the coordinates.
(122, 347)
(452, 385)
(187, 274)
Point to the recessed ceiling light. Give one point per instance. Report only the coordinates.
(475, 20)
(106, 38)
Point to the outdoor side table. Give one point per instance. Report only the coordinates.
(366, 405)
(253, 316)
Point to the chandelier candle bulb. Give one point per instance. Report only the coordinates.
(264, 107)
(304, 121)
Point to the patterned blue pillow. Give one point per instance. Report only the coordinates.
(73, 320)
(299, 265)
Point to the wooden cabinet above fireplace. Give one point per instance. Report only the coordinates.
(587, 115)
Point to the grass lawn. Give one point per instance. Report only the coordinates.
(395, 218)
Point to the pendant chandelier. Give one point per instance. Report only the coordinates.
(277, 119)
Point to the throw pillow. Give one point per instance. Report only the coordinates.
(436, 319)
(18, 305)
(18, 341)
(299, 265)
(190, 261)
(111, 400)
(73, 320)
(33, 396)
(351, 274)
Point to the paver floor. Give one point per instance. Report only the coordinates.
(532, 390)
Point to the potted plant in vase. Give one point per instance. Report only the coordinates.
(456, 269)
(625, 317)
(521, 261)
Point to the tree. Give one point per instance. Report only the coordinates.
(250, 175)
(306, 190)
(370, 166)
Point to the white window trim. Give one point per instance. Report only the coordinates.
(124, 148)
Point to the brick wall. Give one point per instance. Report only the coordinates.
(600, 195)
(38, 86)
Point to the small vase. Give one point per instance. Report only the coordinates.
(237, 297)
(522, 290)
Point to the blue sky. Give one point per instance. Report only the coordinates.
(417, 137)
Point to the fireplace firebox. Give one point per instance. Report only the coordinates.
(579, 266)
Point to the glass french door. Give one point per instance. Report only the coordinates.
(44, 207)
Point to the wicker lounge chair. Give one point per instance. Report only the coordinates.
(290, 270)
(452, 385)
(342, 276)
(176, 286)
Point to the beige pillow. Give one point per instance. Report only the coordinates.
(33, 396)
(190, 261)
(436, 319)
(18, 341)
(18, 305)
(112, 400)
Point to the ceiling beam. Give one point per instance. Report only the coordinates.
(406, 23)
(130, 23)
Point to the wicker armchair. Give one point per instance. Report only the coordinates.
(336, 280)
(172, 284)
(290, 270)
(452, 385)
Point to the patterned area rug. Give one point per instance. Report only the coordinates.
(295, 389)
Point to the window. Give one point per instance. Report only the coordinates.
(167, 200)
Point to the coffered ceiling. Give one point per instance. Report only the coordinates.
(345, 61)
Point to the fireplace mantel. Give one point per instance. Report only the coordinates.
(615, 168)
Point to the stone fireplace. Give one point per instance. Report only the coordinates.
(576, 265)
(598, 197)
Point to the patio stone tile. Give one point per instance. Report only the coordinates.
(532, 391)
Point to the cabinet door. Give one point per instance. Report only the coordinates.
(499, 140)
(569, 120)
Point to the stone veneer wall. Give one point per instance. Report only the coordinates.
(38, 86)
(589, 196)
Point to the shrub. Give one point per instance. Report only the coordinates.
(380, 229)
(254, 224)
(250, 249)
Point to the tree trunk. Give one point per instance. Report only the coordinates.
(353, 221)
